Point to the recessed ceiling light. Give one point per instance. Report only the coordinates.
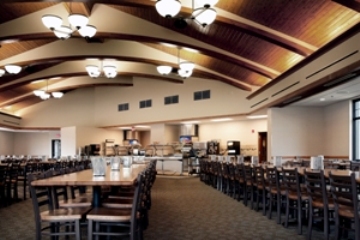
(37, 81)
(140, 126)
(55, 78)
(221, 119)
(191, 122)
(322, 99)
(169, 45)
(190, 49)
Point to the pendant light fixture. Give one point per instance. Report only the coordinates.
(44, 94)
(202, 11)
(184, 71)
(109, 71)
(77, 21)
(11, 69)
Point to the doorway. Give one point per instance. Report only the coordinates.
(55, 148)
(262, 146)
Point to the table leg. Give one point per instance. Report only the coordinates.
(96, 196)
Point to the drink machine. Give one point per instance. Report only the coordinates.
(233, 147)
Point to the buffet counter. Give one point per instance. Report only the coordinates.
(169, 165)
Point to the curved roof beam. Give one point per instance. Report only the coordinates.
(75, 49)
(10, 31)
(223, 18)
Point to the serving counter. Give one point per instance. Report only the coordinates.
(170, 165)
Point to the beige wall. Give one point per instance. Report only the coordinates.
(238, 131)
(99, 106)
(7, 143)
(68, 141)
(337, 135)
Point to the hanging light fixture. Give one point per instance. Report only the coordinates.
(12, 69)
(77, 21)
(204, 13)
(95, 71)
(44, 95)
(185, 68)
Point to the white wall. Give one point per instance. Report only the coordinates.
(337, 133)
(6, 143)
(296, 131)
(68, 141)
(244, 131)
(98, 106)
(34, 143)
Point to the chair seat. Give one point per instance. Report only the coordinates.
(63, 214)
(294, 196)
(109, 214)
(318, 203)
(117, 203)
(77, 202)
(346, 211)
(123, 195)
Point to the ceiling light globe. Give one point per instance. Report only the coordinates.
(205, 16)
(187, 66)
(2, 72)
(88, 31)
(45, 96)
(110, 71)
(38, 93)
(164, 70)
(184, 74)
(13, 69)
(168, 8)
(63, 32)
(78, 20)
(51, 21)
(57, 94)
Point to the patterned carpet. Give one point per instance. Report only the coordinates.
(183, 208)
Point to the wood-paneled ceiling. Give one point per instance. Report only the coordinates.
(251, 43)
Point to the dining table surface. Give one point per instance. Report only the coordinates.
(124, 176)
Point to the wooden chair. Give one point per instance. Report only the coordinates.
(126, 218)
(345, 192)
(12, 182)
(240, 181)
(249, 185)
(3, 176)
(275, 193)
(260, 187)
(319, 199)
(296, 198)
(42, 196)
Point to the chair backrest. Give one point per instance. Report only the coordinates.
(231, 168)
(40, 196)
(3, 174)
(13, 171)
(271, 177)
(291, 181)
(239, 173)
(316, 186)
(345, 191)
(248, 174)
(137, 204)
(259, 177)
(354, 166)
(225, 170)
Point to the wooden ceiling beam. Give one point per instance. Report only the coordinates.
(262, 70)
(281, 40)
(352, 4)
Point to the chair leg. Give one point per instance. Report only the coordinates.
(299, 217)
(90, 229)
(326, 224)
(270, 206)
(278, 208)
(245, 194)
(287, 212)
(77, 229)
(310, 222)
(264, 202)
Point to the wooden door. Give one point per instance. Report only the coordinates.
(262, 146)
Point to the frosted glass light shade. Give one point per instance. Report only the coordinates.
(204, 16)
(164, 70)
(110, 71)
(38, 93)
(78, 20)
(187, 66)
(57, 94)
(93, 71)
(168, 8)
(63, 32)
(45, 96)
(51, 21)
(13, 69)
(2, 72)
(87, 31)
(184, 74)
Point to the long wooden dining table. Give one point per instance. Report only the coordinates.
(121, 177)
